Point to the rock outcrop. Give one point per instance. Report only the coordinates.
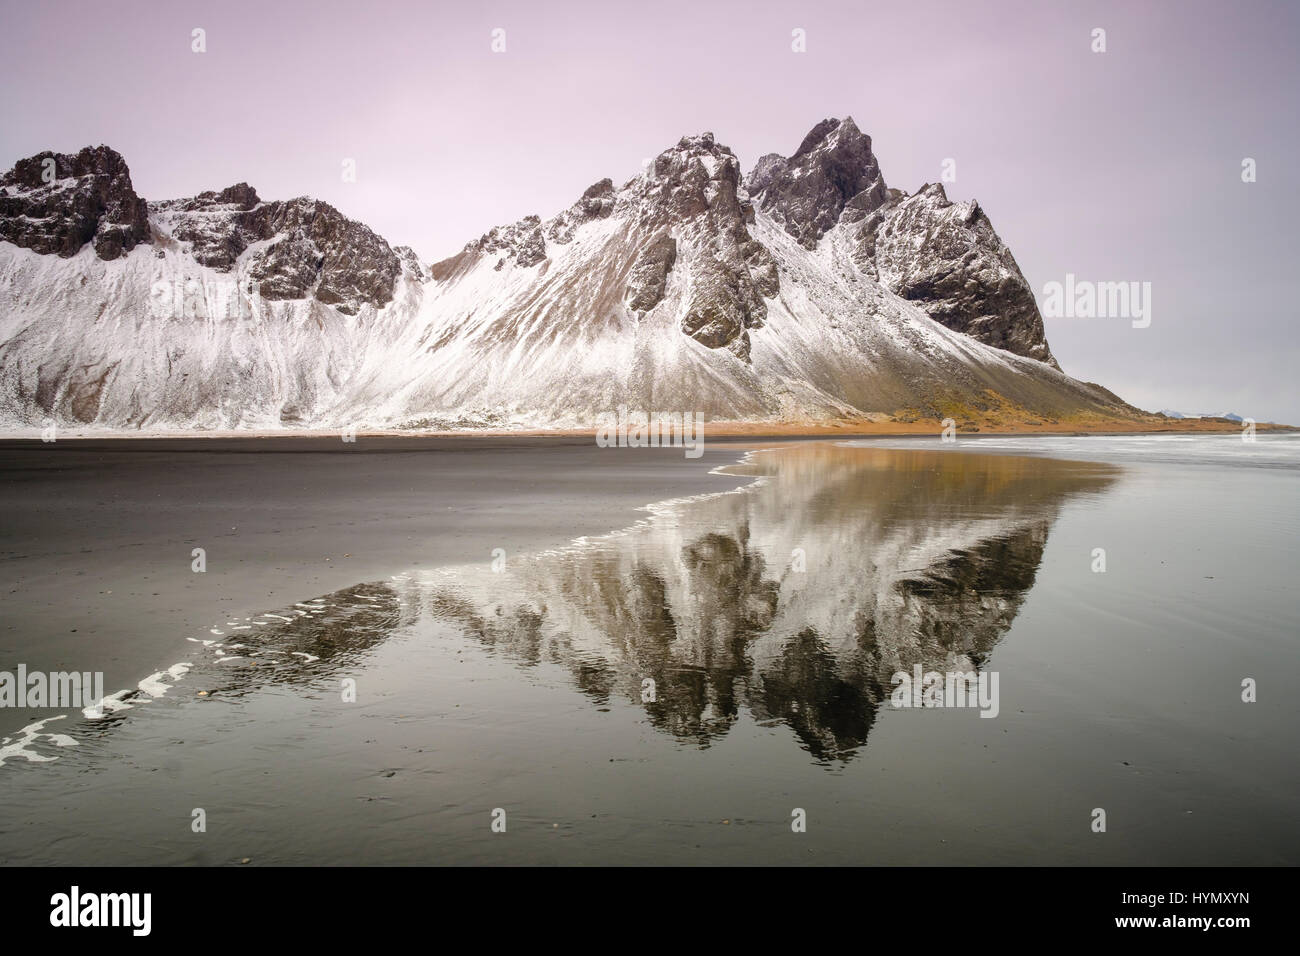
(55, 203)
(649, 278)
(686, 211)
(806, 193)
(943, 256)
(304, 247)
(596, 203)
(694, 191)
(520, 242)
(946, 257)
(411, 262)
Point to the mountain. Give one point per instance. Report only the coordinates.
(806, 290)
(941, 255)
(1226, 416)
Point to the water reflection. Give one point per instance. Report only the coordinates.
(298, 646)
(796, 599)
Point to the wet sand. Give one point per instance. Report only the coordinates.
(97, 536)
(769, 620)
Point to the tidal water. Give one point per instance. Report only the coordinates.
(718, 682)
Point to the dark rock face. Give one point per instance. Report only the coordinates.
(523, 243)
(520, 242)
(411, 262)
(768, 167)
(717, 315)
(694, 189)
(55, 203)
(687, 211)
(313, 249)
(596, 203)
(865, 253)
(649, 278)
(807, 192)
(947, 258)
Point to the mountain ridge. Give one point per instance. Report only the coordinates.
(785, 295)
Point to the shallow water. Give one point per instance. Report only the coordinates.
(676, 691)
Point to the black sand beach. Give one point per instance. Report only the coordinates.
(353, 681)
(97, 535)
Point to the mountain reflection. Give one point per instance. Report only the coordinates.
(795, 599)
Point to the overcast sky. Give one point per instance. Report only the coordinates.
(1116, 166)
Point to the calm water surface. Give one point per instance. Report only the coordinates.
(674, 691)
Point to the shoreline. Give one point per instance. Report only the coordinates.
(712, 430)
(442, 691)
(96, 552)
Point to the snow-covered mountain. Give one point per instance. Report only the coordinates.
(807, 290)
(1227, 416)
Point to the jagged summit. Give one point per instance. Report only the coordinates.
(946, 257)
(806, 290)
(689, 194)
(295, 248)
(240, 196)
(55, 203)
(806, 193)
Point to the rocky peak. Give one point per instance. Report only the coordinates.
(687, 211)
(806, 194)
(411, 262)
(946, 257)
(943, 256)
(310, 249)
(596, 203)
(55, 203)
(693, 178)
(522, 243)
(768, 167)
(240, 195)
(693, 192)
